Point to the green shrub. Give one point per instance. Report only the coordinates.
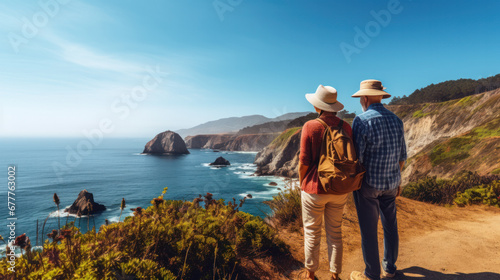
(202, 239)
(283, 137)
(452, 151)
(420, 114)
(440, 191)
(483, 194)
(286, 207)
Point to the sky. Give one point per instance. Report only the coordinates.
(135, 68)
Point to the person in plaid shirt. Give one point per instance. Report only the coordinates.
(378, 136)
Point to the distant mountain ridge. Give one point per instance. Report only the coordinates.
(448, 90)
(234, 124)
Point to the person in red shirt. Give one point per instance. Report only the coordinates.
(316, 203)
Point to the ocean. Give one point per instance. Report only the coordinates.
(112, 170)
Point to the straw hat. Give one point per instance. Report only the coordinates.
(371, 88)
(325, 98)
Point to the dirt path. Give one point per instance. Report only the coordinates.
(436, 243)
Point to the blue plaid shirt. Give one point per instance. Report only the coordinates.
(378, 135)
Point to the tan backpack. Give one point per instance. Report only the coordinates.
(339, 170)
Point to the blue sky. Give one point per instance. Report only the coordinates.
(141, 67)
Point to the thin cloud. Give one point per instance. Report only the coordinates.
(84, 56)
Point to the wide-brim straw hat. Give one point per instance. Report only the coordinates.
(371, 88)
(325, 98)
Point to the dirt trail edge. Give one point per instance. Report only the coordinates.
(435, 243)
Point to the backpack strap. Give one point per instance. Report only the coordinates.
(341, 125)
(323, 123)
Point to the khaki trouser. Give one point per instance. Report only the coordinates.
(314, 208)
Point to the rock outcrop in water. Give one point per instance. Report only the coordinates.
(167, 142)
(84, 201)
(220, 161)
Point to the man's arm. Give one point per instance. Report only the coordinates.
(359, 138)
(302, 172)
(401, 166)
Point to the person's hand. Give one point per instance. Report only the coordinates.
(399, 191)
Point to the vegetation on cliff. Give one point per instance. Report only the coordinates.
(287, 208)
(445, 138)
(448, 90)
(172, 239)
(461, 189)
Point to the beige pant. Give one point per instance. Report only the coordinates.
(314, 208)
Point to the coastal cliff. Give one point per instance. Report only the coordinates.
(207, 141)
(448, 137)
(231, 142)
(167, 142)
(281, 157)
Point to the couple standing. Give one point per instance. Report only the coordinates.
(378, 137)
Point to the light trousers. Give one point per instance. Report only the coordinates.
(315, 207)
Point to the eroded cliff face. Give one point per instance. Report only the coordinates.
(207, 141)
(442, 139)
(426, 123)
(281, 157)
(231, 142)
(446, 138)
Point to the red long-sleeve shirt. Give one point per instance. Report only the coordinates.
(310, 148)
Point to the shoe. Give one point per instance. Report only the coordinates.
(305, 274)
(356, 275)
(386, 274)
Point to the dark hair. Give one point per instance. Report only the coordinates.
(321, 112)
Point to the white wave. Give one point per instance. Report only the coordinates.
(248, 173)
(248, 166)
(209, 166)
(61, 213)
(261, 194)
(248, 176)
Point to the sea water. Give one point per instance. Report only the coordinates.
(111, 170)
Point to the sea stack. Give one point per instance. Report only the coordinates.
(220, 161)
(167, 142)
(82, 202)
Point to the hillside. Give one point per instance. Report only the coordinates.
(442, 138)
(445, 138)
(448, 90)
(233, 124)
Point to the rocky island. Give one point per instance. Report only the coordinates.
(220, 161)
(85, 205)
(167, 142)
